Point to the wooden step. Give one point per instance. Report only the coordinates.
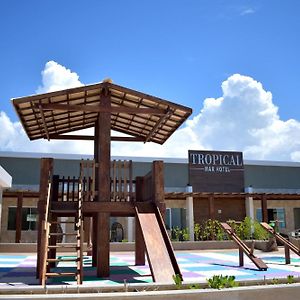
(63, 222)
(57, 274)
(63, 246)
(61, 259)
(63, 211)
(62, 233)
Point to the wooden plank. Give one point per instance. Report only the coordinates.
(96, 108)
(119, 180)
(91, 138)
(264, 208)
(103, 154)
(211, 201)
(159, 123)
(140, 248)
(158, 181)
(158, 256)
(114, 174)
(130, 181)
(125, 172)
(94, 240)
(44, 122)
(46, 170)
(19, 218)
(282, 240)
(103, 245)
(243, 247)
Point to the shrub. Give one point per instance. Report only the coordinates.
(221, 282)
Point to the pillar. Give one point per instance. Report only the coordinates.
(190, 212)
(140, 248)
(130, 229)
(19, 218)
(264, 208)
(102, 147)
(249, 203)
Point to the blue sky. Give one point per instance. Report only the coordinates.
(178, 50)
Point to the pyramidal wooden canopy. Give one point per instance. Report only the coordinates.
(143, 117)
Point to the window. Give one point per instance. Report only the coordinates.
(273, 215)
(28, 221)
(175, 217)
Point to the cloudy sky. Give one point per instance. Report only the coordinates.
(235, 63)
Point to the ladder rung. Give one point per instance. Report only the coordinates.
(65, 211)
(61, 233)
(61, 259)
(63, 222)
(56, 274)
(63, 246)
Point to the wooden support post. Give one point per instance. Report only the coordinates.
(19, 218)
(287, 254)
(94, 241)
(211, 206)
(241, 257)
(96, 178)
(264, 208)
(158, 186)
(103, 182)
(103, 240)
(46, 171)
(139, 188)
(140, 248)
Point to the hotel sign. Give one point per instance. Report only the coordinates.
(216, 171)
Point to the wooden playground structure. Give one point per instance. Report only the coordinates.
(106, 188)
(103, 188)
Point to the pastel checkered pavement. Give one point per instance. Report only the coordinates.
(196, 266)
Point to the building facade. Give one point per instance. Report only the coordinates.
(202, 171)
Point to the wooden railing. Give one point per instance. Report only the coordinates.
(122, 184)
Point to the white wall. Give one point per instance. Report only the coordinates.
(5, 182)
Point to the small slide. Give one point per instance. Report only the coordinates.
(160, 253)
(287, 244)
(244, 248)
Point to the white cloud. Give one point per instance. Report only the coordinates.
(56, 77)
(243, 118)
(247, 11)
(13, 137)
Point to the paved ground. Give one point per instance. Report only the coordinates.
(196, 266)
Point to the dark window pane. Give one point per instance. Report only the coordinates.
(11, 225)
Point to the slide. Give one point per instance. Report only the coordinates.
(160, 254)
(244, 248)
(287, 244)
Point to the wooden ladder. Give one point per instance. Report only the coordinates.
(50, 234)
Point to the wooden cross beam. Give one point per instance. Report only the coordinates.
(91, 138)
(99, 109)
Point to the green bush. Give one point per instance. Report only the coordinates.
(208, 230)
(249, 229)
(211, 230)
(221, 282)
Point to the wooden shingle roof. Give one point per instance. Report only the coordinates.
(144, 117)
